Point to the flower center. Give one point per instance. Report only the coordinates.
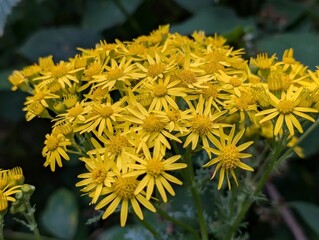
(54, 86)
(156, 69)
(213, 67)
(98, 175)
(235, 81)
(152, 124)
(93, 69)
(59, 70)
(117, 143)
(155, 167)
(229, 158)
(70, 100)
(160, 90)
(106, 111)
(211, 91)
(52, 143)
(75, 111)
(115, 74)
(125, 187)
(201, 124)
(173, 115)
(187, 76)
(285, 106)
(36, 108)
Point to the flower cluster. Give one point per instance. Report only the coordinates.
(10, 183)
(132, 110)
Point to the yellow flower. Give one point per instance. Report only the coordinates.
(55, 147)
(36, 109)
(41, 95)
(101, 116)
(3, 203)
(285, 110)
(17, 79)
(155, 173)
(262, 61)
(151, 128)
(228, 155)
(16, 176)
(122, 192)
(163, 92)
(100, 173)
(202, 125)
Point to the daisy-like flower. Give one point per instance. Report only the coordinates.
(163, 93)
(286, 110)
(55, 148)
(233, 81)
(151, 128)
(228, 155)
(202, 125)
(155, 168)
(42, 96)
(101, 116)
(74, 115)
(17, 79)
(262, 61)
(7, 188)
(36, 109)
(124, 72)
(122, 192)
(100, 174)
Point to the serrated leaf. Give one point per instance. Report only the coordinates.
(212, 20)
(5, 9)
(305, 46)
(193, 6)
(309, 213)
(62, 43)
(104, 14)
(60, 216)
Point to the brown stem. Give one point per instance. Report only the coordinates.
(285, 212)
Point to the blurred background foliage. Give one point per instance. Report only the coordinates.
(30, 29)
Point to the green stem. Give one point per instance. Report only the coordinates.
(149, 227)
(177, 222)
(259, 187)
(31, 221)
(195, 194)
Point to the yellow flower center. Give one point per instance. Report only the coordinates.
(173, 115)
(201, 125)
(117, 143)
(115, 74)
(106, 111)
(39, 96)
(16, 78)
(155, 167)
(152, 124)
(58, 107)
(46, 62)
(213, 67)
(93, 69)
(98, 175)
(210, 91)
(285, 106)
(36, 108)
(156, 69)
(31, 70)
(54, 86)
(235, 81)
(160, 90)
(286, 81)
(75, 111)
(229, 158)
(125, 187)
(137, 49)
(216, 56)
(52, 143)
(59, 70)
(187, 76)
(70, 100)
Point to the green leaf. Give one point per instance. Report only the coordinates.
(193, 6)
(5, 9)
(60, 216)
(212, 20)
(305, 46)
(104, 14)
(309, 213)
(59, 42)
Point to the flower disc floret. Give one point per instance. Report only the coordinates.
(125, 187)
(155, 167)
(152, 124)
(285, 106)
(160, 90)
(229, 157)
(201, 124)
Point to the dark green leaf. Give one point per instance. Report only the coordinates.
(309, 212)
(305, 46)
(103, 14)
(5, 9)
(193, 6)
(212, 20)
(59, 42)
(61, 214)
